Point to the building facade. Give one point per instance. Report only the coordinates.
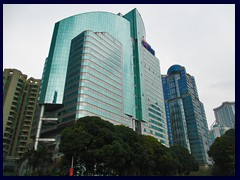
(186, 118)
(99, 64)
(225, 114)
(217, 130)
(19, 102)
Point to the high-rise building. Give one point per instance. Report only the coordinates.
(217, 130)
(185, 113)
(99, 64)
(19, 101)
(225, 114)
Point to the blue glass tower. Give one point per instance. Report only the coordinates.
(185, 113)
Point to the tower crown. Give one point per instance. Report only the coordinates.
(174, 68)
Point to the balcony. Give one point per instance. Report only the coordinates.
(34, 87)
(27, 125)
(30, 108)
(33, 94)
(13, 108)
(22, 146)
(23, 140)
(17, 93)
(6, 139)
(8, 128)
(31, 101)
(29, 112)
(14, 103)
(5, 144)
(28, 116)
(5, 151)
(28, 121)
(24, 135)
(7, 133)
(21, 151)
(31, 104)
(25, 130)
(13, 113)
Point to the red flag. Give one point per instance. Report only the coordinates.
(71, 172)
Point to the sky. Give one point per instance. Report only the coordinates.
(200, 37)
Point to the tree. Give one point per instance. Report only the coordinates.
(37, 161)
(26, 159)
(87, 141)
(222, 151)
(131, 152)
(100, 148)
(41, 160)
(184, 161)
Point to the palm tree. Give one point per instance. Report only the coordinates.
(26, 159)
(37, 161)
(40, 160)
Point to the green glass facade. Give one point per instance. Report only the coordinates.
(100, 64)
(152, 98)
(94, 83)
(54, 76)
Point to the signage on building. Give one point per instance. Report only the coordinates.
(148, 47)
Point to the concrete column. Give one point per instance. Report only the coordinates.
(133, 123)
(39, 127)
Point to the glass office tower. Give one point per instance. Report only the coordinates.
(185, 113)
(99, 64)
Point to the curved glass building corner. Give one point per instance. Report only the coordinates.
(54, 76)
(99, 64)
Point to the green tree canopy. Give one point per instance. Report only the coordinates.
(184, 161)
(37, 161)
(100, 148)
(222, 152)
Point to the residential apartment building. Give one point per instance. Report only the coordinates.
(19, 101)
